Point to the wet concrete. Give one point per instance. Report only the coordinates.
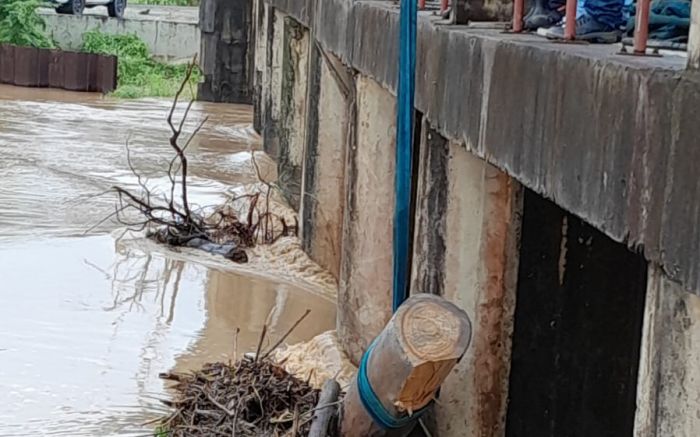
(87, 320)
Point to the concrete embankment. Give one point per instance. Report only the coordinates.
(585, 306)
(171, 33)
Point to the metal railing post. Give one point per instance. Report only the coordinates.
(641, 27)
(518, 7)
(570, 25)
(443, 6)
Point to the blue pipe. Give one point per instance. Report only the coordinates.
(404, 148)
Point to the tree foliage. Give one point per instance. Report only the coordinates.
(20, 24)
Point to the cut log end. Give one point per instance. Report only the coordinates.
(432, 330)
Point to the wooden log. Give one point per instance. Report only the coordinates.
(326, 410)
(407, 363)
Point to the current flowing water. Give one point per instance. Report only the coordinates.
(87, 321)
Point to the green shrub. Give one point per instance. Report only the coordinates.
(21, 25)
(139, 74)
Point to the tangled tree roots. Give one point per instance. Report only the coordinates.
(171, 219)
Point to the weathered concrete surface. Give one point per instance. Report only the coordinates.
(228, 47)
(364, 295)
(668, 390)
(262, 19)
(290, 129)
(598, 148)
(168, 36)
(467, 223)
(694, 36)
(327, 133)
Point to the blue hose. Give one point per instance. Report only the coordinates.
(404, 149)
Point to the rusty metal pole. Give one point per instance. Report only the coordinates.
(518, 7)
(421, 4)
(443, 6)
(641, 27)
(570, 25)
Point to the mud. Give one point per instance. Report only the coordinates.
(89, 319)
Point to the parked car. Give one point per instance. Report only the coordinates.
(115, 8)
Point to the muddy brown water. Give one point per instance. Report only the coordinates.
(87, 322)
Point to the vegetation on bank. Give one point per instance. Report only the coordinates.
(21, 25)
(139, 74)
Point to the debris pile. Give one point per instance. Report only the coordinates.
(253, 397)
(248, 398)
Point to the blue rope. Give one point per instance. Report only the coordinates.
(404, 148)
(373, 405)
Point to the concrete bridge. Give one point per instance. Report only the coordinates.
(557, 201)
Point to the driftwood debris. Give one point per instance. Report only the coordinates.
(169, 217)
(409, 361)
(251, 397)
(248, 398)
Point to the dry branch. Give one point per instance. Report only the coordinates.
(170, 218)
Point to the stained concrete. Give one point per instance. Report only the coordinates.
(328, 130)
(291, 132)
(364, 295)
(227, 51)
(598, 147)
(668, 391)
(169, 37)
(465, 250)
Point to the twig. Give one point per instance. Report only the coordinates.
(284, 337)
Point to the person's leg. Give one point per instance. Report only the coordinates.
(543, 13)
(600, 22)
(607, 12)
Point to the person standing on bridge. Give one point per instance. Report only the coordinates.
(598, 21)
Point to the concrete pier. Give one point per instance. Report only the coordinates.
(610, 140)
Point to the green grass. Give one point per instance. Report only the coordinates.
(139, 74)
(21, 25)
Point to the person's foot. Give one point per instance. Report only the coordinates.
(541, 19)
(588, 29)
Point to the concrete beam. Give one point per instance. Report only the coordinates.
(668, 390)
(694, 36)
(364, 294)
(465, 249)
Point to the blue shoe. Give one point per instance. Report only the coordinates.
(588, 29)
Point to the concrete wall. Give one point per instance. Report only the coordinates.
(364, 294)
(668, 391)
(325, 75)
(331, 100)
(565, 142)
(465, 249)
(171, 40)
(227, 51)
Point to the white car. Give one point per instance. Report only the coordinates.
(115, 8)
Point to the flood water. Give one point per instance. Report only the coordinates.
(88, 320)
